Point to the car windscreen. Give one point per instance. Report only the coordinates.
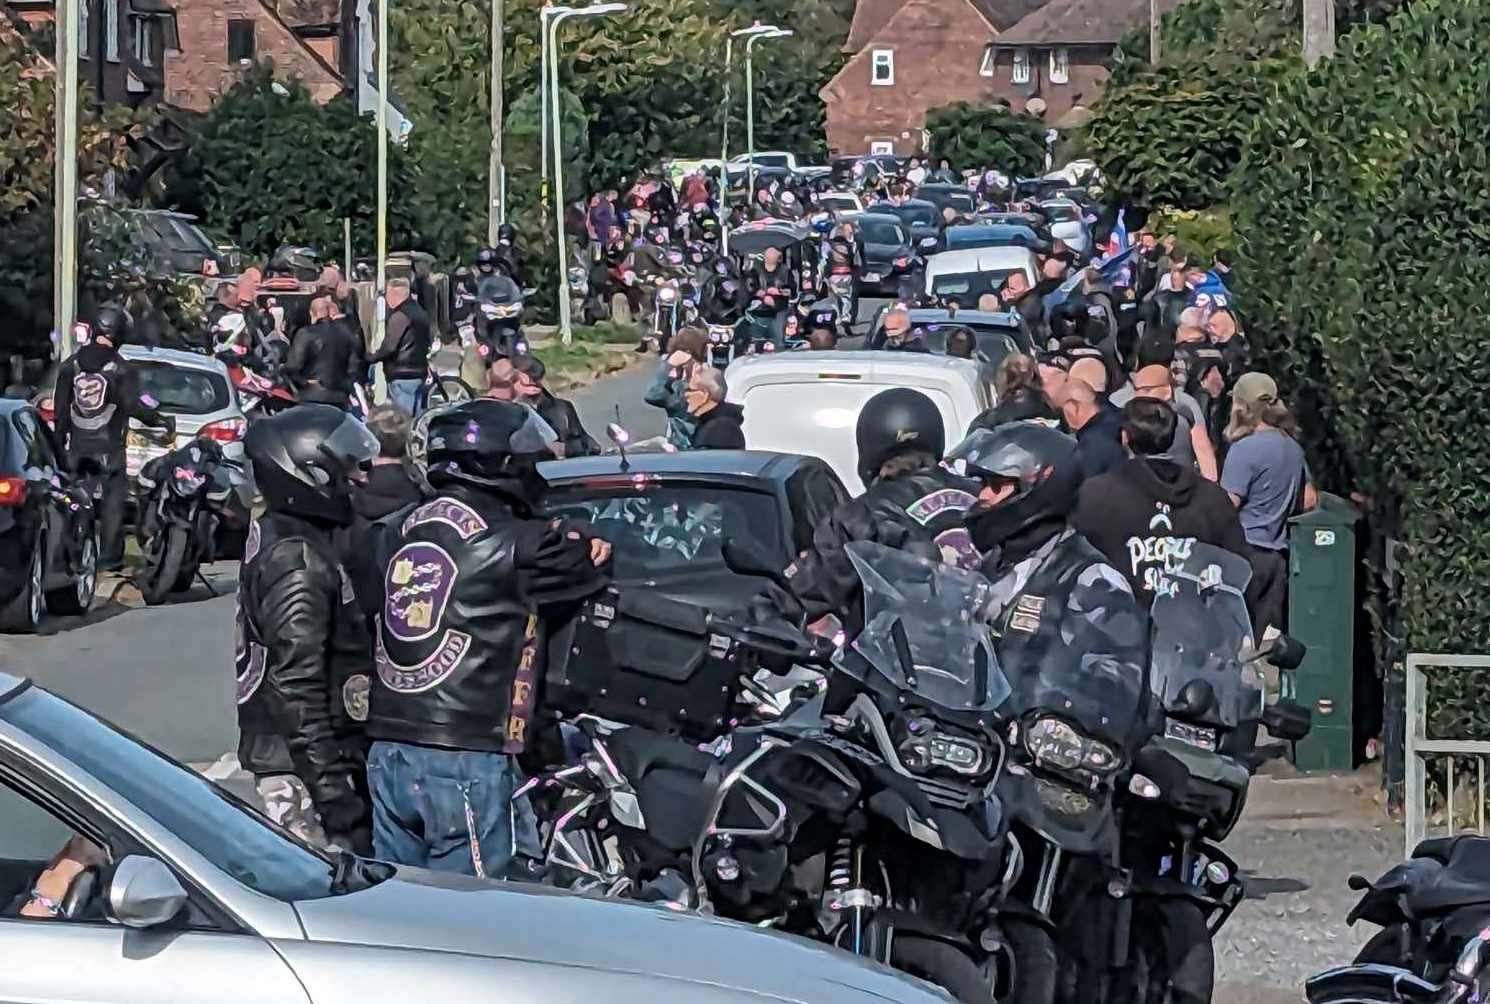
(990, 344)
(837, 202)
(881, 233)
(181, 390)
(923, 215)
(769, 160)
(1057, 213)
(659, 528)
(227, 832)
(970, 284)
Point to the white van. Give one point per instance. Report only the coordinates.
(968, 273)
(809, 402)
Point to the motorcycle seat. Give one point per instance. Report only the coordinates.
(1464, 880)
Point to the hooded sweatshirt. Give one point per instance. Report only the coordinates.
(721, 428)
(1146, 515)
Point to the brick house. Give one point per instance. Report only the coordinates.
(908, 56)
(1055, 62)
(122, 44)
(221, 39)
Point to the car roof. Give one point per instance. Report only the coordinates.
(173, 357)
(685, 465)
(872, 217)
(747, 371)
(939, 315)
(981, 259)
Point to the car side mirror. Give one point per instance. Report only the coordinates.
(745, 559)
(144, 893)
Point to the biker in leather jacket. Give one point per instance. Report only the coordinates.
(1053, 587)
(326, 360)
(302, 652)
(911, 503)
(97, 393)
(460, 646)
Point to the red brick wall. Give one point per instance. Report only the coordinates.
(938, 46)
(201, 72)
(1087, 77)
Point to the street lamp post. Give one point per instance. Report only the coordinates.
(557, 18)
(65, 182)
(380, 319)
(756, 32)
(545, 12)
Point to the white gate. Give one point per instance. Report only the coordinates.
(1420, 747)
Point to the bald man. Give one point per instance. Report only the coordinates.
(1098, 427)
(1191, 445)
(1091, 372)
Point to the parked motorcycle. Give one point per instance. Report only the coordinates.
(1190, 781)
(185, 496)
(864, 816)
(1434, 942)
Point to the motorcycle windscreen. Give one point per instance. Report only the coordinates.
(926, 628)
(499, 290)
(1079, 654)
(1201, 632)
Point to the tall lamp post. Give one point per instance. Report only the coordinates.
(380, 319)
(545, 12)
(555, 19)
(65, 180)
(755, 32)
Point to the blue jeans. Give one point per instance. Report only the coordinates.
(447, 810)
(405, 394)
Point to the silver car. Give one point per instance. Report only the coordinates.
(194, 390)
(197, 898)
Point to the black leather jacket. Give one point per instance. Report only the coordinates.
(326, 360)
(923, 509)
(302, 659)
(405, 349)
(97, 394)
(459, 650)
(561, 415)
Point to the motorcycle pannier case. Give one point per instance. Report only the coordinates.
(643, 659)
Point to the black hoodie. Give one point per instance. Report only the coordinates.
(1146, 514)
(720, 428)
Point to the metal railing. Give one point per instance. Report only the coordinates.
(1420, 748)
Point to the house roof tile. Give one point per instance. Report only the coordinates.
(1093, 22)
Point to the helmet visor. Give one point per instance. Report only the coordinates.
(351, 445)
(534, 435)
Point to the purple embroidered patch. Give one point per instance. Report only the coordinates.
(460, 517)
(427, 673)
(418, 586)
(88, 390)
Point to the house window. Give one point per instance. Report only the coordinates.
(240, 41)
(1060, 66)
(142, 40)
(111, 30)
(985, 68)
(884, 67)
(882, 148)
(1021, 66)
(83, 46)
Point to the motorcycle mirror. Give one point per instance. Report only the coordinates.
(1194, 700)
(1287, 720)
(1287, 652)
(618, 434)
(1357, 883)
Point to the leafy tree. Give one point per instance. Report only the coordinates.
(1360, 212)
(270, 166)
(971, 135)
(27, 157)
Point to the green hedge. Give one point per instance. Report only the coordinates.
(1363, 218)
(980, 136)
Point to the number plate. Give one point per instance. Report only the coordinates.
(871, 277)
(1192, 735)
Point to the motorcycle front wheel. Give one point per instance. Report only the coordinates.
(164, 558)
(1173, 961)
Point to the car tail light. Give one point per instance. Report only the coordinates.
(12, 492)
(47, 410)
(227, 430)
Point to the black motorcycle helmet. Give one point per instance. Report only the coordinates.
(495, 445)
(112, 324)
(303, 460)
(486, 260)
(1038, 461)
(893, 422)
(506, 234)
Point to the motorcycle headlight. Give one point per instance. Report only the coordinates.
(1054, 743)
(925, 747)
(667, 294)
(509, 310)
(490, 310)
